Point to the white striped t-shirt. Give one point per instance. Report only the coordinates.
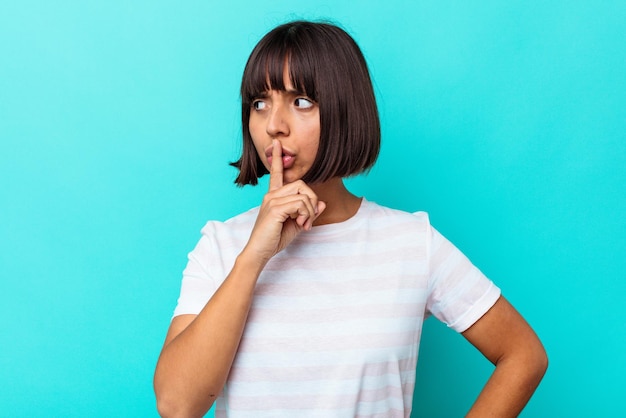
(335, 324)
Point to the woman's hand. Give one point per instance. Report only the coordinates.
(286, 211)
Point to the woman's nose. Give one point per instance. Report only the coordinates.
(277, 122)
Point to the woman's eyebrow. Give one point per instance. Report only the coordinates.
(291, 92)
(294, 92)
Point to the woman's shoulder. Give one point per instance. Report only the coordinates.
(236, 225)
(378, 212)
(395, 227)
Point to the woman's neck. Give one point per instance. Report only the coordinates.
(341, 205)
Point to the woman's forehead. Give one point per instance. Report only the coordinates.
(280, 81)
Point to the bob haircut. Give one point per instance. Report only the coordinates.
(326, 65)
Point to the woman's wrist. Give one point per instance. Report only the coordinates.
(250, 262)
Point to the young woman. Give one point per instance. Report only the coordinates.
(312, 304)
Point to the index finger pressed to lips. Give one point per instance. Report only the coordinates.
(276, 169)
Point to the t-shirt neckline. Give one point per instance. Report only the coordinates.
(338, 227)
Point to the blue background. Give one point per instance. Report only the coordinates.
(505, 120)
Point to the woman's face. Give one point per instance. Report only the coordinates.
(294, 120)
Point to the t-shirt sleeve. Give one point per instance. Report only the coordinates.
(459, 293)
(197, 284)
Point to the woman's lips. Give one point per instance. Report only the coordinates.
(288, 157)
(288, 161)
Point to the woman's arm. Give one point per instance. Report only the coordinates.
(506, 339)
(199, 349)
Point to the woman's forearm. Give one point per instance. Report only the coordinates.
(199, 351)
(512, 384)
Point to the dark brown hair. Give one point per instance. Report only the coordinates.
(326, 64)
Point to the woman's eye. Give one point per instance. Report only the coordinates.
(303, 103)
(258, 104)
